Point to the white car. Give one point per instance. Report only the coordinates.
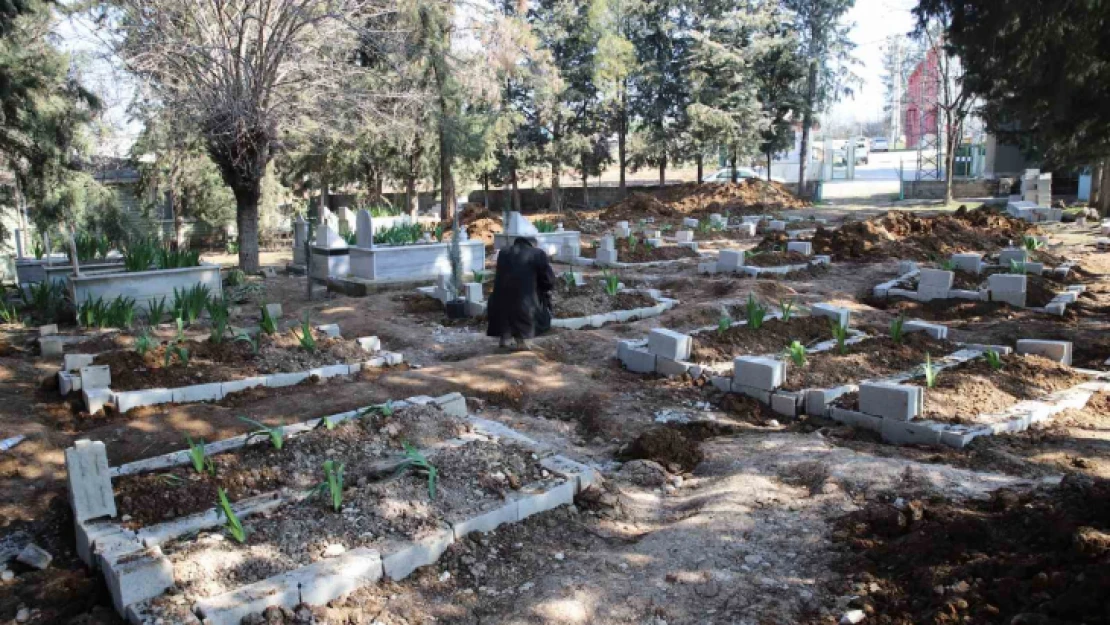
(880, 144)
(725, 175)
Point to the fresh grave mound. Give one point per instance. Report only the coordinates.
(1020, 558)
(641, 252)
(955, 310)
(906, 235)
(480, 223)
(972, 388)
(591, 299)
(749, 197)
(871, 358)
(472, 479)
(772, 338)
(775, 258)
(666, 445)
(225, 361)
(370, 445)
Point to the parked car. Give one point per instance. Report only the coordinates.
(725, 175)
(880, 144)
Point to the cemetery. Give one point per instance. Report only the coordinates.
(642, 313)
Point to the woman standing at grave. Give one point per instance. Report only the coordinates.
(520, 306)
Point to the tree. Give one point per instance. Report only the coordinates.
(827, 50)
(1040, 69)
(244, 73)
(780, 71)
(614, 65)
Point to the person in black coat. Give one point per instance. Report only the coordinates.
(520, 306)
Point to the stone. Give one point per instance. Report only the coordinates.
(89, 480)
(95, 399)
(520, 226)
(843, 316)
(645, 473)
(968, 263)
(1009, 288)
(730, 260)
(802, 247)
(51, 346)
(1060, 351)
(331, 330)
(785, 403)
(1012, 255)
(95, 377)
(668, 367)
(690, 222)
(746, 230)
(684, 236)
(934, 283)
(73, 362)
(48, 330)
(638, 360)
(891, 401)
(669, 344)
(911, 432)
(35, 557)
(606, 257)
(766, 374)
(274, 311)
(776, 225)
(934, 330)
(364, 229)
(371, 344)
(653, 242)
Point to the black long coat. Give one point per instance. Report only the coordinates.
(521, 303)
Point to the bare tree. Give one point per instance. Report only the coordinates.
(244, 73)
(945, 89)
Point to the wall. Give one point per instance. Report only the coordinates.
(934, 189)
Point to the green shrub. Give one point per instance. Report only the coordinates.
(544, 226)
(797, 354)
(897, 331)
(156, 310)
(756, 313)
(308, 342)
(234, 527)
(840, 333)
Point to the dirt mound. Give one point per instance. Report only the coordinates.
(1034, 557)
(750, 197)
(909, 236)
(664, 445)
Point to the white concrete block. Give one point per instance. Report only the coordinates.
(906, 266)
(235, 386)
(667, 367)
(370, 344)
(421, 552)
(968, 263)
(934, 330)
(1060, 351)
(488, 521)
(1010, 288)
(606, 257)
(653, 242)
(48, 330)
(95, 377)
(911, 433)
(891, 401)
(639, 360)
(95, 399)
(801, 247)
(1012, 254)
(472, 291)
(134, 399)
(670, 344)
(90, 481)
(68, 383)
(776, 225)
(935, 279)
(707, 268)
(51, 347)
(746, 230)
(453, 404)
(137, 578)
(198, 392)
(1035, 269)
(277, 380)
(73, 362)
(690, 222)
(842, 316)
(393, 359)
(765, 374)
(553, 497)
(822, 259)
(730, 260)
(785, 403)
(684, 236)
(274, 310)
(331, 330)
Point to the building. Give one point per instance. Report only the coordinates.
(921, 117)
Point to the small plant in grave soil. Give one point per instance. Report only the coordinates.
(385, 410)
(176, 350)
(787, 308)
(234, 527)
(612, 284)
(570, 280)
(797, 354)
(202, 464)
(235, 277)
(218, 313)
(308, 342)
(276, 433)
(332, 484)
(897, 329)
(156, 310)
(756, 313)
(8, 312)
(840, 333)
(269, 324)
(723, 324)
(417, 463)
(249, 340)
(704, 227)
(947, 264)
(930, 371)
(1017, 267)
(1031, 243)
(189, 303)
(479, 276)
(631, 243)
(144, 343)
(544, 226)
(93, 313)
(994, 360)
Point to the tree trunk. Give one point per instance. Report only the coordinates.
(246, 218)
(1096, 185)
(701, 168)
(178, 221)
(485, 191)
(622, 139)
(735, 175)
(663, 171)
(585, 184)
(556, 190)
(447, 203)
(950, 144)
(807, 122)
(515, 188)
(769, 157)
(1104, 197)
(412, 200)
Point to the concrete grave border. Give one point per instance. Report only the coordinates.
(137, 572)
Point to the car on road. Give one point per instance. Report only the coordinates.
(725, 175)
(880, 144)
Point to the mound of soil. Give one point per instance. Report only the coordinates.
(665, 445)
(871, 358)
(644, 253)
(909, 236)
(749, 197)
(964, 310)
(774, 337)
(591, 299)
(225, 361)
(776, 259)
(1021, 557)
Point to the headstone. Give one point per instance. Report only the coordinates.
(520, 226)
(1044, 190)
(473, 292)
(48, 330)
(90, 481)
(95, 376)
(346, 219)
(328, 238)
(464, 236)
(18, 243)
(607, 243)
(274, 311)
(364, 229)
(51, 346)
(300, 235)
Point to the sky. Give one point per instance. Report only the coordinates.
(874, 21)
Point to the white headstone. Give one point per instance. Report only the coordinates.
(520, 226)
(346, 218)
(328, 238)
(18, 243)
(364, 235)
(90, 481)
(300, 235)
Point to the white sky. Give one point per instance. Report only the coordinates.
(874, 20)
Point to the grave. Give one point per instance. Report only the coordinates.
(550, 242)
(374, 263)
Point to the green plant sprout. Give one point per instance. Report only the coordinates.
(269, 324)
(479, 276)
(156, 310)
(180, 337)
(234, 527)
(840, 333)
(797, 353)
(176, 350)
(308, 342)
(756, 313)
(199, 456)
(417, 463)
(219, 314)
(897, 329)
(385, 410)
(994, 360)
(276, 433)
(787, 308)
(8, 312)
(947, 264)
(332, 484)
(631, 242)
(544, 226)
(612, 283)
(1032, 243)
(1017, 267)
(930, 371)
(144, 343)
(570, 279)
(249, 340)
(723, 324)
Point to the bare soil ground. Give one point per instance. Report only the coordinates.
(747, 516)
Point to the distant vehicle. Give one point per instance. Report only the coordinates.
(725, 175)
(880, 144)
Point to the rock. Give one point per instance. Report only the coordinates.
(334, 550)
(7, 576)
(773, 423)
(646, 473)
(11, 544)
(23, 615)
(35, 557)
(852, 617)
